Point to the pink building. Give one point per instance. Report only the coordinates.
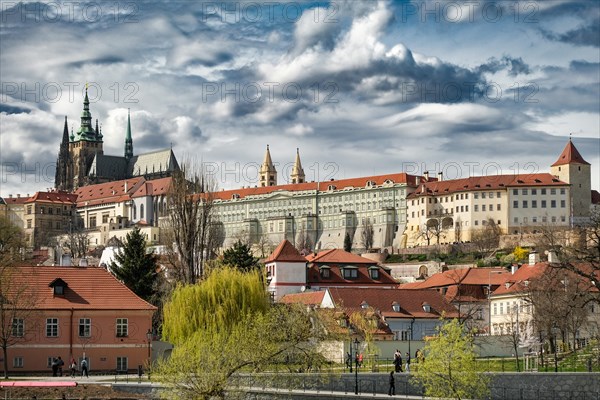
(77, 312)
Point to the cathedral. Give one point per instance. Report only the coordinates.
(81, 159)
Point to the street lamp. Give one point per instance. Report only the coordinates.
(412, 321)
(149, 337)
(356, 343)
(555, 334)
(350, 359)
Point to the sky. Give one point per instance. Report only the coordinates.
(360, 87)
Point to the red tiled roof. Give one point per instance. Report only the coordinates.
(464, 276)
(90, 288)
(490, 182)
(338, 256)
(15, 200)
(285, 252)
(155, 187)
(53, 197)
(516, 282)
(410, 301)
(109, 192)
(336, 277)
(595, 197)
(307, 298)
(570, 155)
(339, 184)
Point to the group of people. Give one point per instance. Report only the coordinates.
(358, 359)
(58, 363)
(398, 367)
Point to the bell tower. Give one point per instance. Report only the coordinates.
(268, 173)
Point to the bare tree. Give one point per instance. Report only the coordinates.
(263, 245)
(303, 242)
(78, 241)
(190, 202)
(367, 233)
(487, 239)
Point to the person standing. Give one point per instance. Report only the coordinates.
(407, 362)
(84, 368)
(72, 367)
(392, 389)
(60, 363)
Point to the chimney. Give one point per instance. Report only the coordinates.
(18, 195)
(440, 176)
(83, 262)
(125, 188)
(10, 196)
(552, 257)
(422, 188)
(534, 258)
(514, 268)
(426, 176)
(417, 180)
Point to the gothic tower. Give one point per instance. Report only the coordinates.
(268, 173)
(128, 140)
(297, 175)
(573, 169)
(84, 144)
(63, 179)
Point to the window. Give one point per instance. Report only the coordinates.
(51, 327)
(476, 207)
(50, 210)
(516, 220)
(495, 309)
(483, 207)
(483, 195)
(122, 327)
(475, 195)
(28, 209)
(552, 191)
(552, 203)
(516, 204)
(476, 222)
(141, 211)
(85, 327)
(501, 308)
(374, 272)
(563, 218)
(18, 362)
(29, 223)
(563, 191)
(18, 327)
(498, 207)
(543, 191)
(524, 191)
(92, 222)
(533, 191)
(543, 203)
(121, 363)
(524, 203)
(553, 219)
(104, 218)
(404, 335)
(515, 192)
(534, 219)
(563, 203)
(498, 194)
(350, 273)
(533, 203)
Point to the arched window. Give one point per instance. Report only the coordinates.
(141, 211)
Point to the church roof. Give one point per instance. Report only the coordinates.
(154, 187)
(285, 252)
(570, 155)
(109, 192)
(109, 167)
(153, 162)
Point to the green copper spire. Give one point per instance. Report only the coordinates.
(128, 139)
(86, 131)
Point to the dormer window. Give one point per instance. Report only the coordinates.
(371, 184)
(350, 272)
(374, 272)
(426, 307)
(331, 187)
(58, 287)
(325, 271)
(396, 306)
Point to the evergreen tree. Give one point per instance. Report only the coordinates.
(347, 243)
(240, 256)
(135, 267)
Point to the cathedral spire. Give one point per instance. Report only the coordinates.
(297, 175)
(128, 139)
(61, 179)
(86, 131)
(268, 173)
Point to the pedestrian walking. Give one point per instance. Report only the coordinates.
(398, 361)
(60, 363)
(54, 367)
(84, 368)
(392, 389)
(407, 362)
(72, 367)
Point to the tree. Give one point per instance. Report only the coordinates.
(487, 239)
(135, 267)
(17, 303)
(11, 241)
(194, 233)
(367, 234)
(240, 256)
(303, 243)
(218, 327)
(347, 243)
(78, 241)
(366, 322)
(450, 369)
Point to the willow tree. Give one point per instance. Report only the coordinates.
(224, 325)
(450, 369)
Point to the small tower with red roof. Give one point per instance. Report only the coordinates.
(573, 169)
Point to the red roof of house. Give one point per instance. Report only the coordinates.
(490, 182)
(285, 252)
(339, 184)
(155, 187)
(307, 298)
(53, 197)
(90, 288)
(109, 192)
(15, 200)
(411, 301)
(570, 155)
(336, 277)
(338, 256)
(464, 276)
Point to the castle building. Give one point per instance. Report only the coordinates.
(81, 158)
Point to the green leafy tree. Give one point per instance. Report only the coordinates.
(240, 256)
(11, 241)
(450, 369)
(226, 324)
(135, 267)
(347, 243)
